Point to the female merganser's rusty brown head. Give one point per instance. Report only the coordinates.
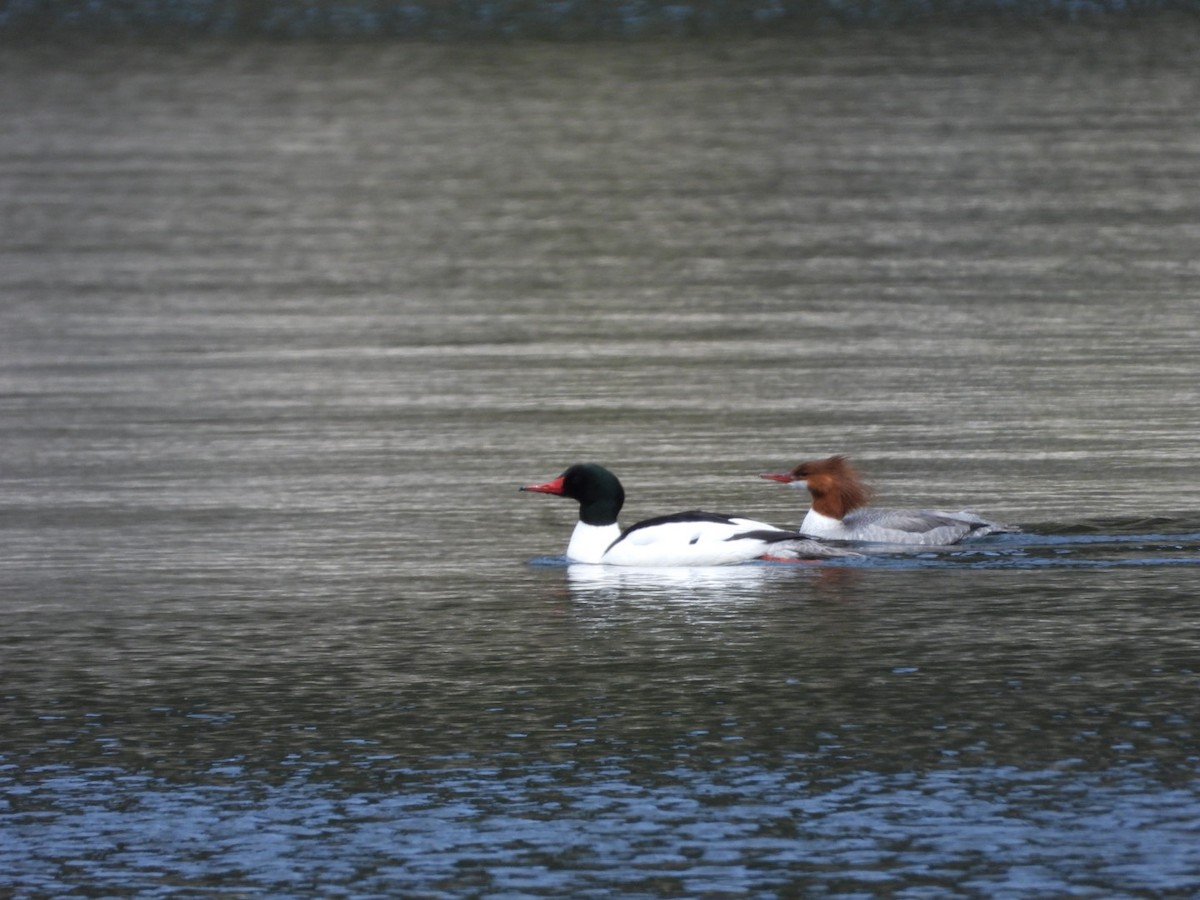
(834, 484)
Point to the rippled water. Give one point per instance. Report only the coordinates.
(283, 328)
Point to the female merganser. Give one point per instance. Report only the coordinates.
(840, 512)
(683, 539)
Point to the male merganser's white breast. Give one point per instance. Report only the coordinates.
(588, 542)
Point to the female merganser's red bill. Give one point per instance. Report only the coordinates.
(683, 539)
(840, 512)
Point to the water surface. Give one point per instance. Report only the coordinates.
(283, 328)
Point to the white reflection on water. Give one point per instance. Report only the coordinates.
(694, 585)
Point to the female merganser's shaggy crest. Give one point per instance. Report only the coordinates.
(840, 512)
(683, 539)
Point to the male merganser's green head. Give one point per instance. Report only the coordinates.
(598, 491)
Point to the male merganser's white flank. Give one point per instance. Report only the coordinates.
(683, 539)
(840, 512)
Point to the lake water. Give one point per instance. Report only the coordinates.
(284, 326)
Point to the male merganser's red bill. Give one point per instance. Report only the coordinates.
(683, 539)
(840, 513)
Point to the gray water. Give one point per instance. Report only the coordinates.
(283, 328)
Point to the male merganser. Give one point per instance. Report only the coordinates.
(840, 512)
(683, 539)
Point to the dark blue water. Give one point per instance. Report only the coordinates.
(562, 829)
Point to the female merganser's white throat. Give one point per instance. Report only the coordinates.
(840, 512)
(683, 539)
